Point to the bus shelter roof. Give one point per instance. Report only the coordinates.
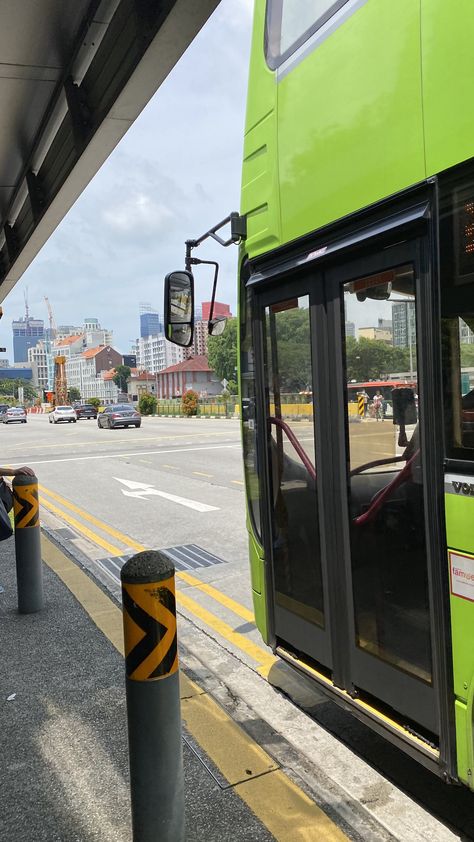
(73, 78)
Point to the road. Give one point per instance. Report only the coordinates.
(178, 482)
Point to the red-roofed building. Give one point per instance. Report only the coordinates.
(194, 373)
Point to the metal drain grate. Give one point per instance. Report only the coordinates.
(184, 557)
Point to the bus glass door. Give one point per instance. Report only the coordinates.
(297, 569)
(385, 496)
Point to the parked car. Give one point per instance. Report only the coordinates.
(119, 415)
(85, 410)
(62, 413)
(14, 413)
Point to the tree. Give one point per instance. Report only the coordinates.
(121, 376)
(147, 403)
(371, 359)
(10, 387)
(222, 351)
(74, 394)
(291, 346)
(190, 402)
(94, 402)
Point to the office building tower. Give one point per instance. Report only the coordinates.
(26, 333)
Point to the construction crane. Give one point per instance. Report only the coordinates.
(52, 324)
(60, 382)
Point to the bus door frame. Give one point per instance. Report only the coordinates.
(413, 215)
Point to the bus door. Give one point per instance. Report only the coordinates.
(348, 500)
(383, 492)
(295, 543)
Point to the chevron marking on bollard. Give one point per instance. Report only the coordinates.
(151, 649)
(25, 505)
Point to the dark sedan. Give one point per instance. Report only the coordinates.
(85, 410)
(119, 415)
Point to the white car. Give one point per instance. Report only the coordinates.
(62, 413)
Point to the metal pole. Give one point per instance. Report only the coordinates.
(153, 703)
(29, 569)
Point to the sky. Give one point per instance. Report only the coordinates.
(175, 174)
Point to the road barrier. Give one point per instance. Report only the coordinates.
(29, 568)
(153, 703)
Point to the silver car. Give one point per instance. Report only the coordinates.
(14, 414)
(119, 415)
(62, 413)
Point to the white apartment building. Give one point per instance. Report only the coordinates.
(154, 353)
(86, 372)
(38, 358)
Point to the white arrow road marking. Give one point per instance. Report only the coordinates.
(142, 490)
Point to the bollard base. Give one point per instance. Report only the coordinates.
(156, 759)
(29, 570)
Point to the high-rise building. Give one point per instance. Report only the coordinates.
(154, 353)
(26, 333)
(151, 324)
(403, 324)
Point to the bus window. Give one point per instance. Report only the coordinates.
(457, 313)
(291, 22)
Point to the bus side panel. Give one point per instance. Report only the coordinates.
(448, 81)
(459, 520)
(350, 126)
(259, 170)
(258, 587)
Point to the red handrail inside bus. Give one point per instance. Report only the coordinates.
(380, 498)
(277, 422)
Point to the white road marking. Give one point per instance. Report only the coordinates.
(143, 490)
(135, 453)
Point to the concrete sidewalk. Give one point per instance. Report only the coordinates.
(64, 739)
(64, 734)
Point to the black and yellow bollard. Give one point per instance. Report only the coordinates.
(361, 405)
(153, 705)
(29, 568)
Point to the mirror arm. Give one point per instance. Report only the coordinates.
(195, 261)
(238, 232)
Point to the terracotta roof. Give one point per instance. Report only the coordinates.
(92, 352)
(68, 340)
(138, 374)
(193, 364)
(108, 375)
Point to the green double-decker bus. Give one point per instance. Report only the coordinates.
(357, 268)
(358, 191)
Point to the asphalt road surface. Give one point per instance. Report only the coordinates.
(178, 482)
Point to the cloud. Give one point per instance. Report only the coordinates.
(137, 212)
(176, 173)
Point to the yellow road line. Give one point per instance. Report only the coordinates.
(217, 595)
(237, 481)
(175, 468)
(81, 528)
(201, 474)
(277, 802)
(125, 539)
(227, 601)
(262, 657)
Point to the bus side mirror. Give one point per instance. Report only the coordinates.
(179, 308)
(216, 327)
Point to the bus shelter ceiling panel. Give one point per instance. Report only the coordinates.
(67, 69)
(36, 38)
